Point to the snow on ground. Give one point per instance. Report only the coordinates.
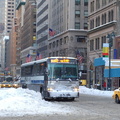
(96, 92)
(19, 102)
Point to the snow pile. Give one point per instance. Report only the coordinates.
(23, 101)
(85, 90)
(19, 102)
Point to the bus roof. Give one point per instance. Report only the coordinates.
(44, 59)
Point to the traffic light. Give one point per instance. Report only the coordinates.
(110, 42)
(110, 37)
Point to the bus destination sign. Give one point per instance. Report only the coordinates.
(60, 60)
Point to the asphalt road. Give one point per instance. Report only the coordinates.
(85, 108)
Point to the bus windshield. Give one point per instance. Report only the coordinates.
(63, 71)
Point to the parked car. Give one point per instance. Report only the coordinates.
(116, 95)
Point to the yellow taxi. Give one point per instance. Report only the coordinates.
(116, 95)
(6, 85)
(16, 84)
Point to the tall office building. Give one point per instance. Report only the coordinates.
(9, 15)
(20, 7)
(63, 17)
(42, 27)
(2, 15)
(62, 29)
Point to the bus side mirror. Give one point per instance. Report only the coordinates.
(46, 71)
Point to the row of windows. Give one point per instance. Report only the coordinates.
(62, 41)
(96, 44)
(77, 2)
(33, 70)
(102, 19)
(77, 25)
(59, 53)
(92, 4)
(59, 42)
(77, 13)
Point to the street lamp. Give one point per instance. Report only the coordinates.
(110, 41)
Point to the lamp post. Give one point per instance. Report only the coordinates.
(110, 37)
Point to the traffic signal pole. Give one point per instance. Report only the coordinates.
(110, 37)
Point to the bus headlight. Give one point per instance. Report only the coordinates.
(76, 89)
(50, 89)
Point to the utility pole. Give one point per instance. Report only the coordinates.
(110, 37)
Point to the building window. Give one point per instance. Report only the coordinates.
(92, 6)
(77, 25)
(85, 2)
(56, 53)
(110, 1)
(91, 45)
(98, 21)
(86, 13)
(77, 13)
(97, 43)
(97, 4)
(53, 53)
(110, 16)
(53, 44)
(81, 38)
(65, 40)
(77, 2)
(57, 43)
(61, 41)
(103, 18)
(103, 2)
(103, 40)
(50, 46)
(91, 24)
(49, 54)
(85, 26)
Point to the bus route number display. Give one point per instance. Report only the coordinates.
(60, 60)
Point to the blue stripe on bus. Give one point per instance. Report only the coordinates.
(37, 81)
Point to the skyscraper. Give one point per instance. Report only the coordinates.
(2, 15)
(9, 14)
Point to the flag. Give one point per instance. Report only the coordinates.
(38, 56)
(79, 57)
(28, 58)
(6, 69)
(51, 32)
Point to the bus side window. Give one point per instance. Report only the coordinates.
(23, 71)
(38, 69)
(28, 70)
(42, 68)
(34, 69)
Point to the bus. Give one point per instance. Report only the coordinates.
(53, 77)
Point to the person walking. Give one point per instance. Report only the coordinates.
(104, 85)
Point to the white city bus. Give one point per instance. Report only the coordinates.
(54, 77)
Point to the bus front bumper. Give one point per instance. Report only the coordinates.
(63, 94)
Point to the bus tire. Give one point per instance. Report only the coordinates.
(42, 93)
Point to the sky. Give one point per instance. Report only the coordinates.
(19, 102)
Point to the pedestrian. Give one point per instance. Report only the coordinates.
(104, 85)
